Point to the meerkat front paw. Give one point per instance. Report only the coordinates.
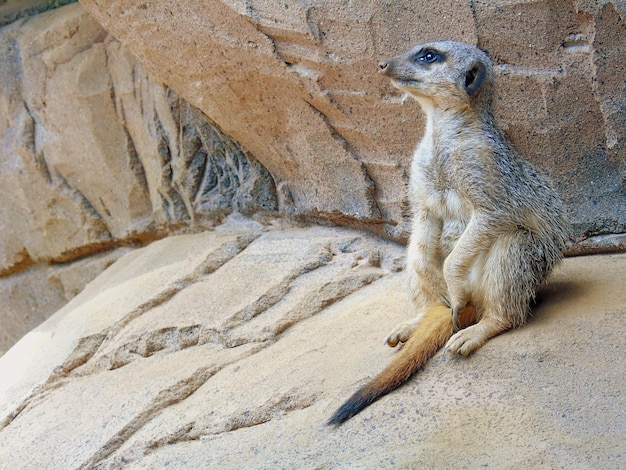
(402, 332)
(466, 341)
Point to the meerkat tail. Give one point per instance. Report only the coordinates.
(431, 334)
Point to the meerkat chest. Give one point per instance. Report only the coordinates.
(432, 188)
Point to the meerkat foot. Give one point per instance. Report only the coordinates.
(468, 340)
(402, 332)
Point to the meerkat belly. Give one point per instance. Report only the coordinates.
(447, 206)
(430, 190)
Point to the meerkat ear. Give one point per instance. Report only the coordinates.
(474, 78)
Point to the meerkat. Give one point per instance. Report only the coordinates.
(487, 227)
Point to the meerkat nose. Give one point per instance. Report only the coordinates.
(382, 67)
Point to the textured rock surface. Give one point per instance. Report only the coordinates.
(95, 154)
(32, 295)
(230, 349)
(296, 84)
(96, 151)
(12, 10)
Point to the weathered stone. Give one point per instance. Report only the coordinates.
(95, 151)
(155, 280)
(295, 84)
(95, 154)
(12, 10)
(31, 296)
(231, 350)
(41, 216)
(561, 95)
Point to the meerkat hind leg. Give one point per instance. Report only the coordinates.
(468, 340)
(402, 332)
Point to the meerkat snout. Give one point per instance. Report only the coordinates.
(383, 67)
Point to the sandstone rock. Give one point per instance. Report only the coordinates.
(230, 349)
(95, 154)
(95, 151)
(296, 84)
(155, 280)
(31, 296)
(12, 10)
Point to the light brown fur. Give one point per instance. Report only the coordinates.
(487, 227)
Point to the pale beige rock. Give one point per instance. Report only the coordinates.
(95, 154)
(113, 302)
(233, 348)
(12, 10)
(31, 296)
(228, 346)
(95, 151)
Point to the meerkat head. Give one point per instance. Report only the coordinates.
(445, 73)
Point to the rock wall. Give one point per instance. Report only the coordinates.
(296, 84)
(94, 155)
(12, 10)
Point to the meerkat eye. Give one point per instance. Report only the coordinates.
(428, 56)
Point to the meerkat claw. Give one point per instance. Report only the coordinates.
(455, 319)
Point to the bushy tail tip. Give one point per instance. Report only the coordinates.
(356, 403)
(430, 335)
